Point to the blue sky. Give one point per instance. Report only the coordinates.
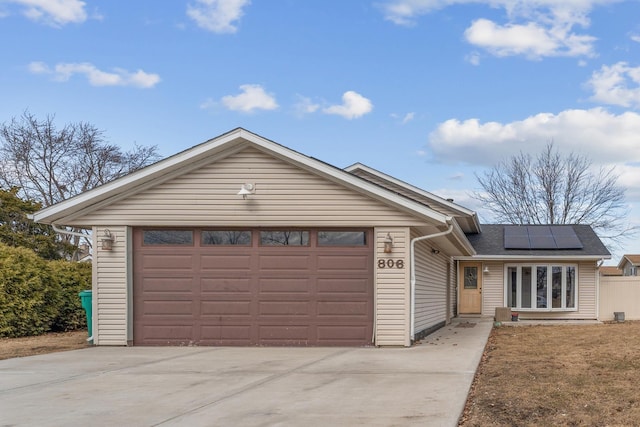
(429, 91)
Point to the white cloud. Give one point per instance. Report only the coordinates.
(473, 58)
(218, 16)
(602, 136)
(408, 117)
(253, 97)
(531, 40)
(305, 105)
(533, 28)
(618, 84)
(118, 77)
(353, 106)
(53, 12)
(635, 37)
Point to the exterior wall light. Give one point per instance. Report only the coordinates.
(107, 240)
(435, 251)
(485, 269)
(388, 244)
(247, 189)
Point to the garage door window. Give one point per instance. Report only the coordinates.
(167, 237)
(284, 238)
(226, 237)
(342, 238)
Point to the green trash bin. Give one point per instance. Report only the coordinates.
(85, 298)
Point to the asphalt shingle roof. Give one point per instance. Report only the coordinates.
(491, 242)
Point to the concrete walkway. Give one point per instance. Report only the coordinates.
(424, 385)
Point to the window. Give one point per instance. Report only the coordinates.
(167, 237)
(342, 238)
(471, 277)
(541, 287)
(284, 238)
(226, 237)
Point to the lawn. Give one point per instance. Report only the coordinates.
(566, 375)
(48, 343)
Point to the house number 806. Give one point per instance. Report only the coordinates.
(390, 263)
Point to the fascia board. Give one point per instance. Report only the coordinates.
(507, 258)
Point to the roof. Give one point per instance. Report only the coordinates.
(634, 260)
(223, 146)
(490, 243)
(608, 270)
(467, 218)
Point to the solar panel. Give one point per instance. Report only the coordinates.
(566, 237)
(541, 237)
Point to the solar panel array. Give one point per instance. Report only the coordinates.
(541, 237)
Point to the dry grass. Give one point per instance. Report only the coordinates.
(558, 376)
(48, 343)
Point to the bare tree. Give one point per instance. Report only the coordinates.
(556, 189)
(50, 164)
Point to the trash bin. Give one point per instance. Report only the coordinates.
(85, 298)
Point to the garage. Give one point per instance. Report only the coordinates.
(253, 286)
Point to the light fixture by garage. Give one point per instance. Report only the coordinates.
(388, 244)
(247, 189)
(107, 240)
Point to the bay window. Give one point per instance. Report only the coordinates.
(541, 287)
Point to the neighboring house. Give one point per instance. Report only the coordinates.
(242, 241)
(610, 271)
(629, 265)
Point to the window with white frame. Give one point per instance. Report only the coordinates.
(542, 287)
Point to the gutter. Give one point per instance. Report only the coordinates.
(413, 270)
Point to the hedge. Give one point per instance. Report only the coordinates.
(38, 296)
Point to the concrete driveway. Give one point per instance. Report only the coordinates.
(225, 386)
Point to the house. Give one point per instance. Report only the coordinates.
(610, 271)
(242, 241)
(629, 265)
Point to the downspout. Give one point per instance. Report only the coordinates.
(72, 233)
(598, 265)
(413, 271)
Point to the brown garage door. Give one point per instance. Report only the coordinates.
(253, 287)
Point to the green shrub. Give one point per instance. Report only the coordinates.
(71, 278)
(28, 297)
(38, 296)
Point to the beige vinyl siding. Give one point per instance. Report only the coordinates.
(286, 195)
(453, 289)
(110, 288)
(431, 286)
(493, 291)
(392, 309)
(492, 287)
(619, 294)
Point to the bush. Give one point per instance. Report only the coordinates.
(28, 297)
(71, 278)
(37, 296)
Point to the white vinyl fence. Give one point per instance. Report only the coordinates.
(619, 294)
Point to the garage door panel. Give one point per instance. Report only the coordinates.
(342, 308)
(341, 285)
(168, 308)
(269, 285)
(168, 262)
(226, 262)
(221, 308)
(252, 295)
(285, 262)
(163, 333)
(236, 285)
(343, 263)
(280, 308)
(168, 284)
